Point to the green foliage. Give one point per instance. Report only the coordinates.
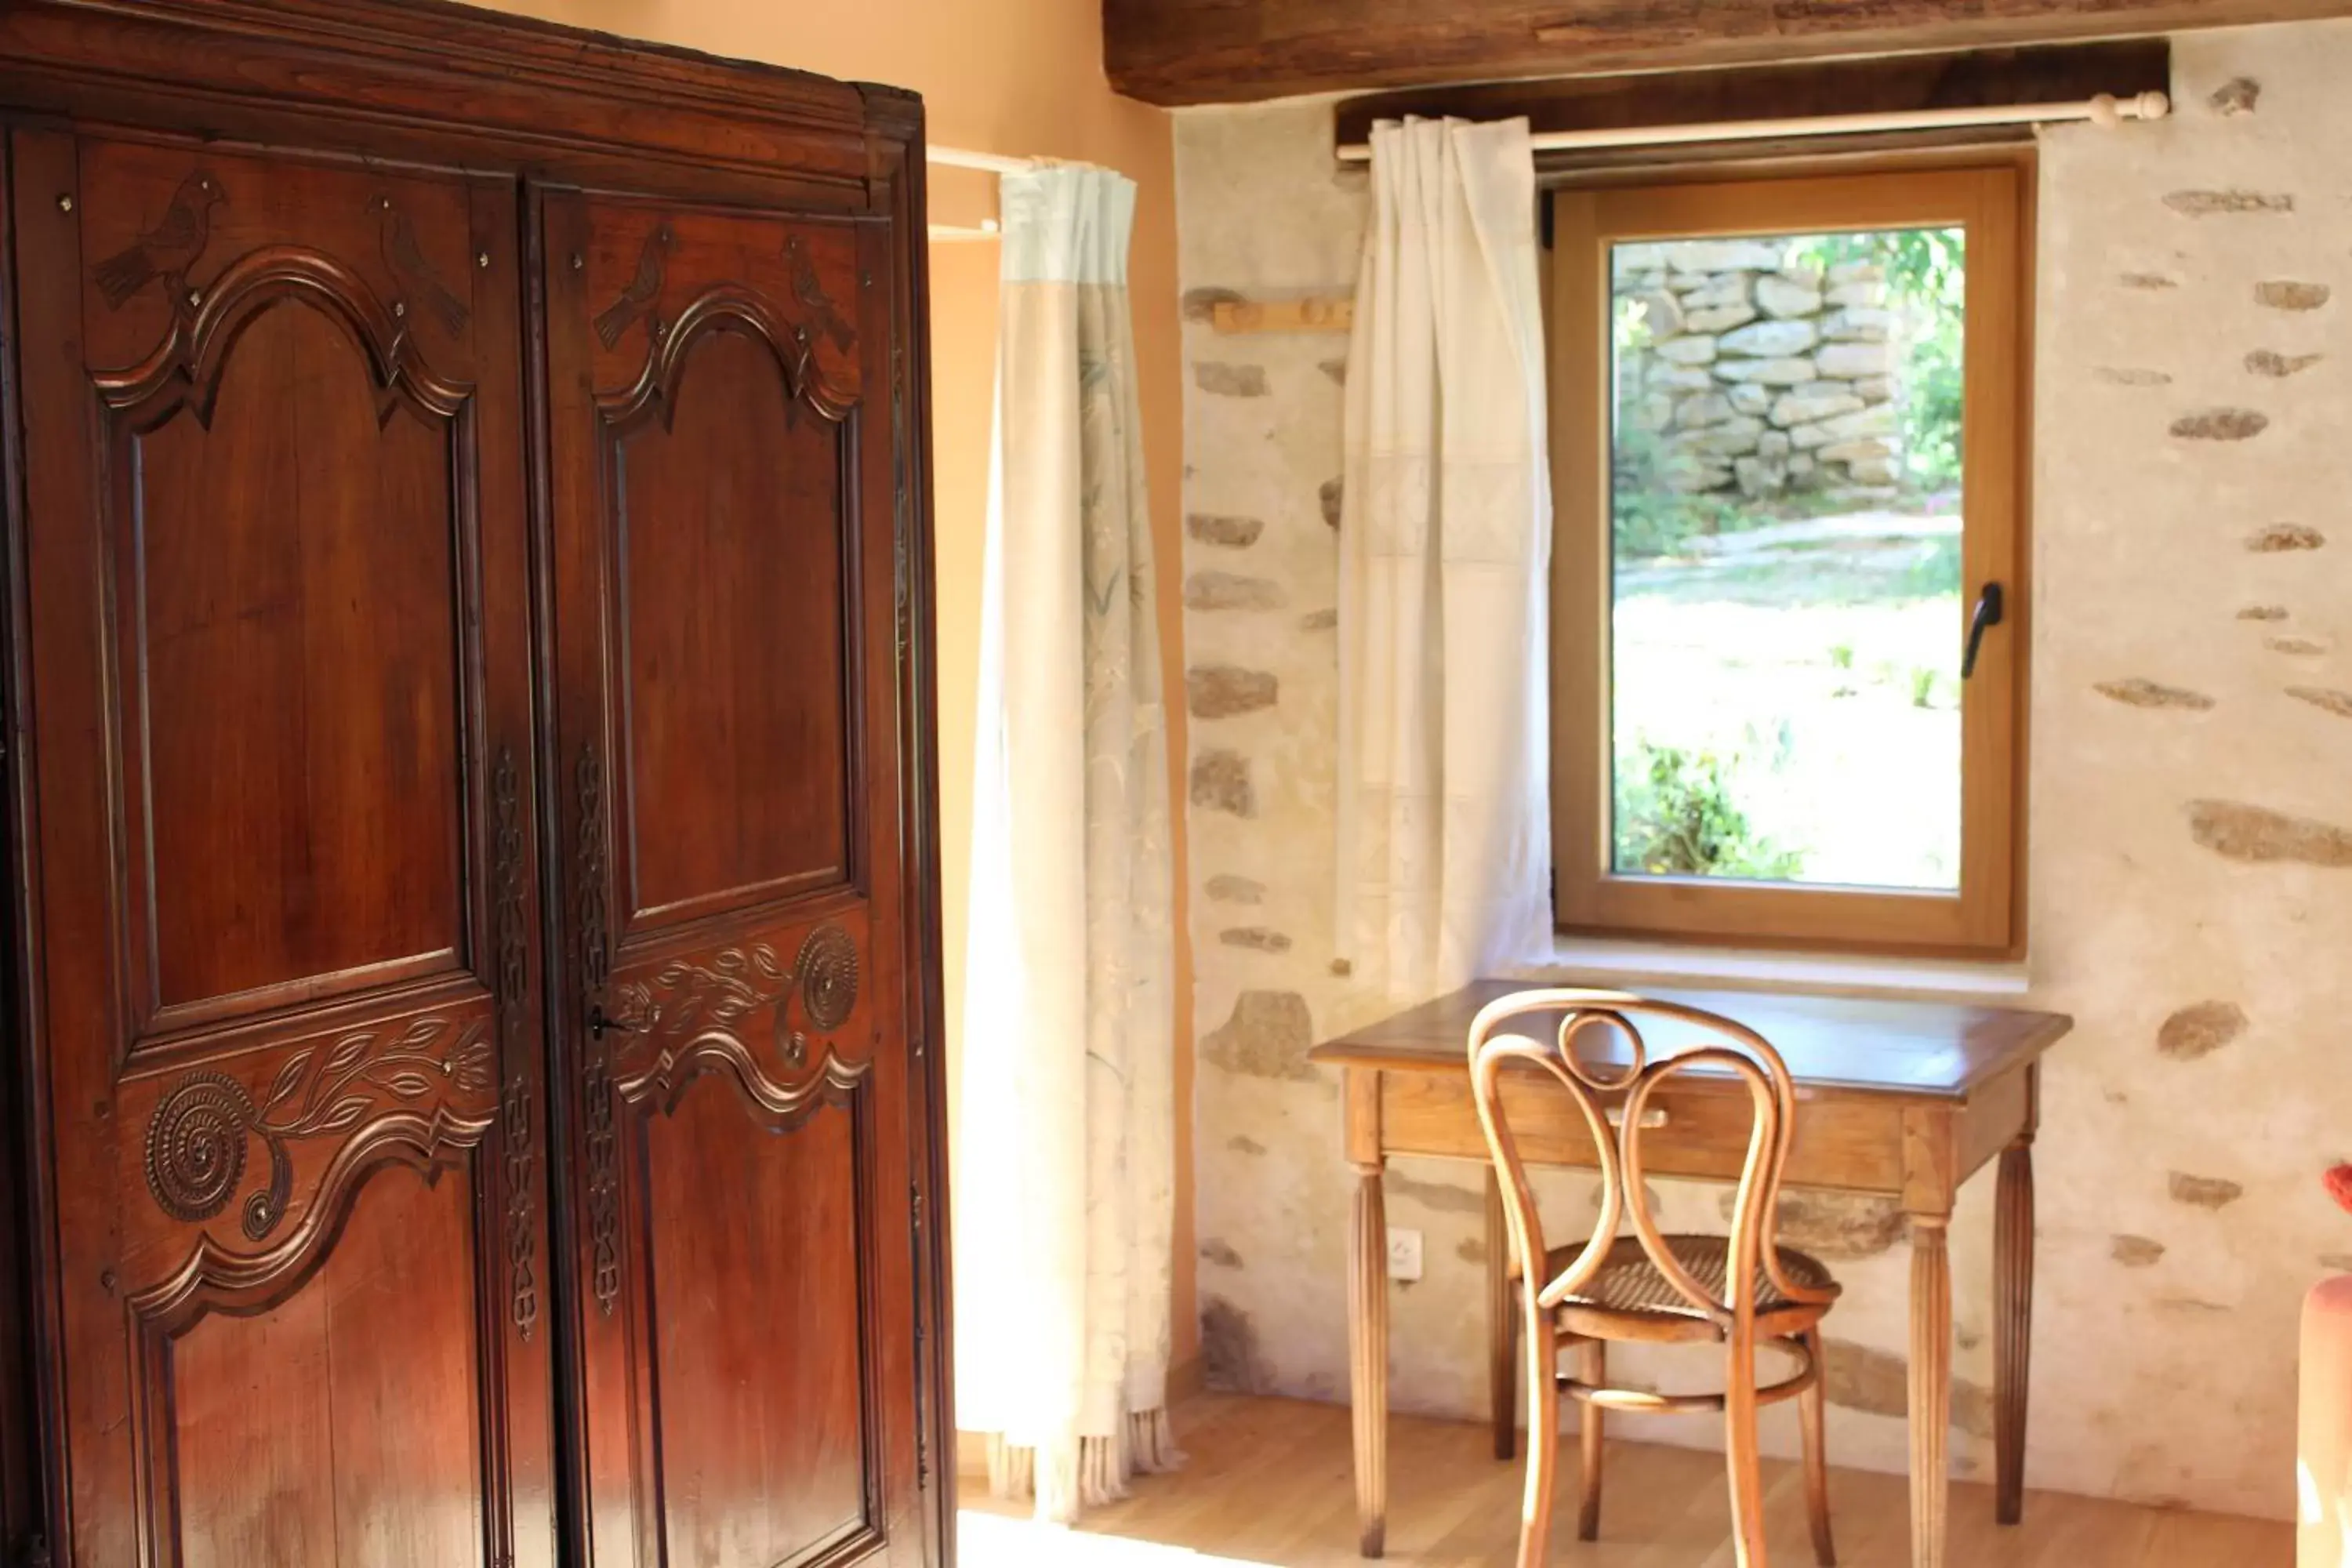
(1675, 817)
(1926, 285)
(1649, 517)
(1842, 656)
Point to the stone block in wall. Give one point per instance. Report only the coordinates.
(1856, 296)
(1703, 409)
(1858, 323)
(1663, 314)
(1723, 255)
(1653, 413)
(1718, 318)
(1878, 419)
(1680, 377)
(1698, 348)
(1868, 450)
(1771, 340)
(1781, 295)
(1820, 400)
(1732, 439)
(1749, 398)
(1768, 372)
(1855, 358)
(1713, 293)
(1773, 444)
(1857, 272)
(1688, 473)
(1760, 477)
(1873, 388)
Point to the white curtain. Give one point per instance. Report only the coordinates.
(1444, 849)
(1066, 1167)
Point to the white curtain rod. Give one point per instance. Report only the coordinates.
(993, 162)
(2105, 110)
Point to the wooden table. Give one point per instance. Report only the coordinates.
(1905, 1099)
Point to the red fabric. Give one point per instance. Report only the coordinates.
(2338, 1181)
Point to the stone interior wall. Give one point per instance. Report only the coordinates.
(1757, 374)
(2192, 808)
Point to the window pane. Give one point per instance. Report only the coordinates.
(1786, 558)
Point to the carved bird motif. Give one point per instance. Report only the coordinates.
(811, 291)
(643, 292)
(167, 250)
(397, 239)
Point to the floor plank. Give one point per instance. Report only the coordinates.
(1270, 1481)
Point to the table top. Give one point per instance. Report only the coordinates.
(1910, 1050)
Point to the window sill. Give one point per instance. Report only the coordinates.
(1591, 960)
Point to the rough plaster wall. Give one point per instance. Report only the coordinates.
(2192, 808)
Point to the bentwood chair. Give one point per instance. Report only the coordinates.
(1740, 1291)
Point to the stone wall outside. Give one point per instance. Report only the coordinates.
(1756, 375)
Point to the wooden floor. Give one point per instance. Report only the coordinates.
(1268, 1482)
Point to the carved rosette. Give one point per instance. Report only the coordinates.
(199, 1137)
(827, 970)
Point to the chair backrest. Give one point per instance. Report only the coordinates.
(1614, 1097)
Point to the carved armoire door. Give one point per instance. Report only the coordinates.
(285, 1004)
(734, 1023)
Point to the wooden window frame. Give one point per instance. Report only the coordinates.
(1985, 918)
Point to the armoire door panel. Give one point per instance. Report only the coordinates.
(727, 391)
(297, 551)
(291, 1046)
(725, 571)
(736, 774)
(286, 377)
(380, 1343)
(734, 1411)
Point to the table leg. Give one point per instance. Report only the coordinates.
(1502, 1325)
(2012, 1345)
(1368, 1353)
(1931, 1385)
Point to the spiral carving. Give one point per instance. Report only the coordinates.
(827, 969)
(197, 1146)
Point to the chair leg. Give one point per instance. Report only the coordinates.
(1743, 1460)
(1811, 1407)
(1540, 1341)
(1592, 1368)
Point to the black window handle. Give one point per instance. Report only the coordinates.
(1990, 611)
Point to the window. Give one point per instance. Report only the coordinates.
(1788, 415)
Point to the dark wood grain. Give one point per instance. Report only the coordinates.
(726, 581)
(263, 648)
(1224, 51)
(736, 774)
(1895, 84)
(1906, 1050)
(414, 670)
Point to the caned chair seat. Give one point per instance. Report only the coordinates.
(1629, 1285)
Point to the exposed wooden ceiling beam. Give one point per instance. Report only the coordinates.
(1231, 51)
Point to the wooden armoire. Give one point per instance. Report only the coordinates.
(473, 1069)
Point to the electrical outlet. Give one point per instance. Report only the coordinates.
(1404, 1254)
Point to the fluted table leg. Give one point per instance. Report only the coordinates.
(2012, 1345)
(1931, 1386)
(1368, 1353)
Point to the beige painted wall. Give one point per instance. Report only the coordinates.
(2193, 602)
(1019, 77)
